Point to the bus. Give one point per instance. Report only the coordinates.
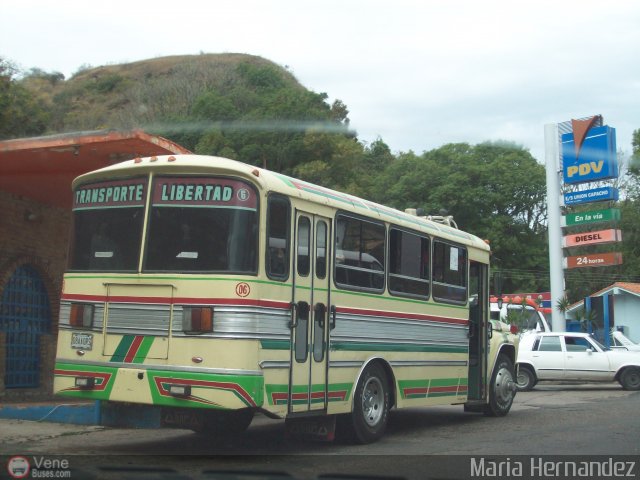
(210, 290)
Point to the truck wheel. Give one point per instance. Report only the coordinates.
(630, 378)
(502, 389)
(368, 421)
(526, 379)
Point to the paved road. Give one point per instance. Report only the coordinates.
(550, 420)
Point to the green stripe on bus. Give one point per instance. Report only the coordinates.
(102, 391)
(428, 388)
(264, 282)
(275, 344)
(398, 299)
(278, 394)
(175, 277)
(246, 388)
(143, 351)
(394, 347)
(122, 348)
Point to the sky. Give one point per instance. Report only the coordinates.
(416, 74)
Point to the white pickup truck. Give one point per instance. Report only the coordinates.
(532, 318)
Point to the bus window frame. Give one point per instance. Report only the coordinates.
(466, 276)
(396, 293)
(356, 288)
(147, 224)
(267, 257)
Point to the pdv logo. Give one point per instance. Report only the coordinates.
(589, 153)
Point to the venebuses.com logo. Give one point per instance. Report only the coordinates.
(19, 466)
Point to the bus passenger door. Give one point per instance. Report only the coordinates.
(478, 320)
(310, 305)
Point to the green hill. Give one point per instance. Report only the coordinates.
(236, 105)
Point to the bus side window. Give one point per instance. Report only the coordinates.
(359, 254)
(449, 273)
(278, 232)
(408, 264)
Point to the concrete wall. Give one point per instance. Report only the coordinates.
(627, 313)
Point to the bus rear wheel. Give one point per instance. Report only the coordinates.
(371, 400)
(502, 388)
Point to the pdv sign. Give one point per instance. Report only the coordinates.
(589, 155)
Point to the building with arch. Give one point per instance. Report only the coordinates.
(35, 203)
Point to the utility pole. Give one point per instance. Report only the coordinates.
(556, 271)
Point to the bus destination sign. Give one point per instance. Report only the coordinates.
(113, 194)
(203, 192)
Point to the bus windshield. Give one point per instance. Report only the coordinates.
(191, 239)
(195, 224)
(200, 224)
(107, 225)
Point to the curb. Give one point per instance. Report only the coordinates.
(81, 413)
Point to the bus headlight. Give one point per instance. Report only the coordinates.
(81, 315)
(197, 319)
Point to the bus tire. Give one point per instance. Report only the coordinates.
(502, 389)
(371, 400)
(225, 424)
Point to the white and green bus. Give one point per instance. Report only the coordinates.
(211, 290)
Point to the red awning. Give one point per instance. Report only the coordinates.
(42, 168)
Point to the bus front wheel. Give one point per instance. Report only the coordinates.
(371, 400)
(502, 389)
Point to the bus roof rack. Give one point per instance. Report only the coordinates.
(446, 220)
(443, 219)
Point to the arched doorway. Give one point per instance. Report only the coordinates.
(25, 314)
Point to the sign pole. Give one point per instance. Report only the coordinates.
(558, 321)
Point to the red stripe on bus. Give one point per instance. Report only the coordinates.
(453, 388)
(176, 300)
(411, 316)
(204, 383)
(133, 349)
(417, 390)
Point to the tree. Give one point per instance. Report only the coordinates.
(20, 113)
(494, 190)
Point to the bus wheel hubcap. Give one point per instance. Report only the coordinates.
(505, 386)
(372, 401)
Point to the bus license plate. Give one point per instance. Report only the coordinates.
(82, 341)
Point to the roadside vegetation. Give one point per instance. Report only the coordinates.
(249, 109)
